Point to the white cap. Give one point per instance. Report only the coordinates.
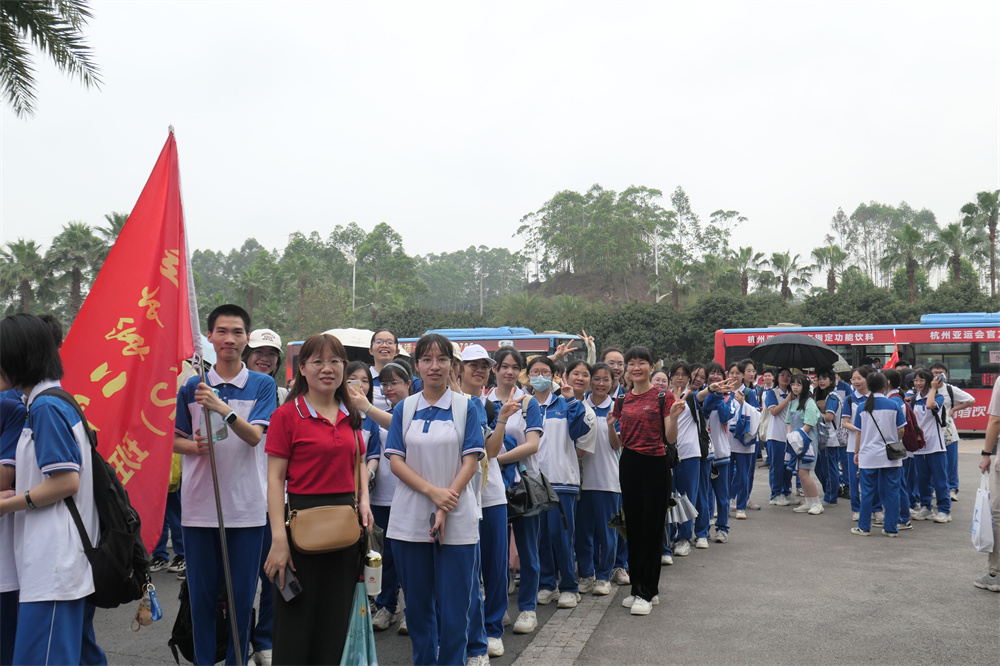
(264, 337)
(476, 353)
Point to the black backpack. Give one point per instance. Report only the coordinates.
(119, 561)
(699, 419)
(181, 641)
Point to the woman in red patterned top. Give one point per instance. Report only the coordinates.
(643, 472)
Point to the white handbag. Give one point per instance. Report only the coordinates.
(982, 518)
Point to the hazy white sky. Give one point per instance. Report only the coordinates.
(451, 120)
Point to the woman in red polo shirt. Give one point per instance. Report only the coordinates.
(314, 446)
(644, 475)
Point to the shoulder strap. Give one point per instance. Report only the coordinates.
(459, 413)
(357, 469)
(409, 409)
(525, 402)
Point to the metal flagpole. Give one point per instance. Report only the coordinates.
(234, 633)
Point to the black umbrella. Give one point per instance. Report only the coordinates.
(794, 350)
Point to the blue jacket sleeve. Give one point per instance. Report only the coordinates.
(575, 413)
(711, 403)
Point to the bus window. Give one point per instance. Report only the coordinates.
(986, 359)
(956, 355)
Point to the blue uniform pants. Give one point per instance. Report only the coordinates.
(952, 465)
(438, 590)
(388, 598)
(171, 528)
(910, 471)
(904, 490)
(854, 482)
(526, 536)
(704, 503)
(687, 475)
(8, 625)
(779, 477)
(595, 541)
(932, 475)
(720, 485)
(832, 482)
(486, 614)
(475, 642)
(57, 632)
(263, 631)
(555, 546)
(205, 578)
(743, 464)
(888, 479)
(621, 545)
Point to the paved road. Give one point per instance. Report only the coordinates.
(787, 589)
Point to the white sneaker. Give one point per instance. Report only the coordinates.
(954, 494)
(403, 631)
(780, 500)
(569, 599)
(620, 577)
(682, 548)
(914, 512)
(262, 657)
(641, 607)
(793, 500)
(732, 505)
(856, 516)
(602, 588)
(506, 619)
(478, 660)
(586, 585)
(701, 542)
(721, 536)
(382, 619)
(816, 509)
(923, 514)
(988, 582)
(741, 515)
(801, 508)
(878, 518)
(942, 517)
(666, 560)
(526, 622)
(628, 601)
(494, 647)
(546, 597)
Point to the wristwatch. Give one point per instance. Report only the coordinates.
(988, 453)
(231, 417)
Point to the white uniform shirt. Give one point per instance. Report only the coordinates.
(517, 429)
(48, 550)
(927, 419)
(433, 449)
(600, 470)
(890, 417)
(776, 429)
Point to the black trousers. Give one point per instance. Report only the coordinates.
(312, 627)
(646, 483)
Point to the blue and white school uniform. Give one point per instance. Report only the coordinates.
(12, 421)
(744, 454)
(437, 582)
(55, 621)
(687, 474)
(253, 396)
(563, 422)
(836, 453)
(851, 407)
(931, 462)
(600, 497)
(720, 410)
(779, 477)
(380, 500)
(527, 531)
(908, 477)
(876, 470)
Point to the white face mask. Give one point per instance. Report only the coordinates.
(540, 383)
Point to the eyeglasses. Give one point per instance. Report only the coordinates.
(393, 385)
(540, 373)
(333, 363)
(616, 364)
(383, 343)
(266, 353)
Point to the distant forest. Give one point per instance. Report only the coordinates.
(627, 266)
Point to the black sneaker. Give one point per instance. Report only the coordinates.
(158, 564)
(177, 564)
(182, 574)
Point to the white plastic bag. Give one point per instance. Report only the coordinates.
(982, 518)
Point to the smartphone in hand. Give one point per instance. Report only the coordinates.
(293, 587)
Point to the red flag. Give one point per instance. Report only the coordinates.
(124, 351)
(894, 359)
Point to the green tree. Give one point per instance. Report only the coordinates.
(983, 212)
(831, 258)
(25, 276)
(956, 242)
(53, 27)
(116, 222)
(521, 309)
(905, 249)
(748, 265)
(76, 252)
(788, 273)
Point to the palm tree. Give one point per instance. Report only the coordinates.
(23, 271)
(833, 259)
(905, 248)
(715, 273)
(748, 264)
(116, 222)
(75, 251)
(955, 241)
(253, 283)
(984, 211)
(788, 273)
(675, 275)
(52, 26)
(300, 269)
(522, 309)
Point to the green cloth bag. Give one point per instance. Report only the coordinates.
(359, 649)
